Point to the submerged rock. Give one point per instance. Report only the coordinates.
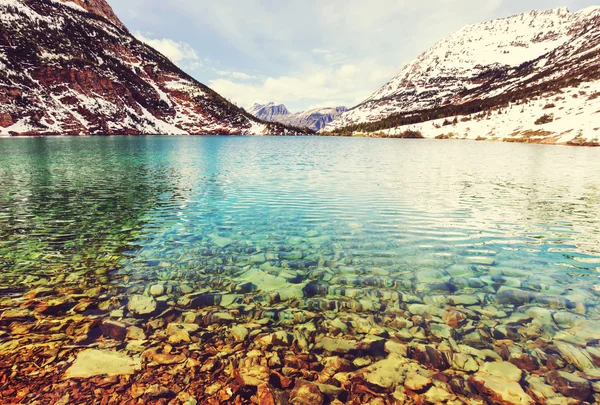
(114, 330)
(503, 369)
(239, 333)
(305, 393)
(141, 305)
(575, 356)
(386, 373)
(417, 383)
(500, 390)
(570, 385)
(373, 346)
(92, 362)
(157, 290)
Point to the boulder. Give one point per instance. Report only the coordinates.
(305, 393)
(500, 391)
(569, 385)
(92, 362)
(141, 305)
(417, 383)
(504, 370)
(114, 330)
(157, 290)
(239, 333)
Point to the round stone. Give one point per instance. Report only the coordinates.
(157, 290)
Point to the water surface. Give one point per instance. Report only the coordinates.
(461, 246)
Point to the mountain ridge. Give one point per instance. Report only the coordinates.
(513, 59)
(314, 119)
(70, 70)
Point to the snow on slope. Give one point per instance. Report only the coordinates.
(73, 69)
(268, 112)
(314, 119)
(488, 60)
(573, 115)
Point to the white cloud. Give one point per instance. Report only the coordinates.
(177, 52)
(235, 75)
(317, 85)
(306, 52)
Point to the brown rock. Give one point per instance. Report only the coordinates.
(333, 393)
(54, 306)
(569, 385)
(163, 358)
(430, 357)
(5, 120)
(179, 332)
(305, 393)
(372, 346)
(158, 391)
(265, 395)
(454, 319)
(135, 333)
(525, 362)
(253, 376)
(417, 383)
(337, 364)
(114, 330)
(98, 7)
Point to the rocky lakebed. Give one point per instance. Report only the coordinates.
(455, 336)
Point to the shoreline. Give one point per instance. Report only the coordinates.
(497, 140)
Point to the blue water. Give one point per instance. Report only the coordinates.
(359, 221)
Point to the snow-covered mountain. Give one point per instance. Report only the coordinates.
(268, 112)
(520, 66)
(314, 119)
(71, 67)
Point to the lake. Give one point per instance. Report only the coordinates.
(420, 255)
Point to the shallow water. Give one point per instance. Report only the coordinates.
(363, 214)
(319, 224)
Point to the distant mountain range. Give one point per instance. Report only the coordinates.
(533, 77)
(315, 119)
(71, 67)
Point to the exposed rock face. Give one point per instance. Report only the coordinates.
(515, 67)
(98, 7)
(72, 68)
(268, 112)
(315, 119)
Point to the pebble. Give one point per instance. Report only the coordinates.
(157, 290)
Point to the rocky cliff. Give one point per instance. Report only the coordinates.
(71, 67)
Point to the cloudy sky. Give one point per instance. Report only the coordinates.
(305, 53)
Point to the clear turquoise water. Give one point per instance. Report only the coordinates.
(322, 221)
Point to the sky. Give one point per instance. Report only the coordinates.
(305, 53)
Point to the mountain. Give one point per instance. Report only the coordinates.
(71, 67)
(532, 77)
(268, 112)
(315, 119)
